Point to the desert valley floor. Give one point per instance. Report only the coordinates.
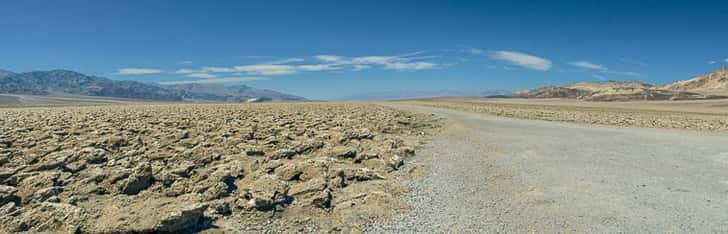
(443, 165)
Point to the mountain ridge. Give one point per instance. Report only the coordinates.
(715, 82)
(713, 85)
(70, 82)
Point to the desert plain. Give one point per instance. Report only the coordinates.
(430, 165)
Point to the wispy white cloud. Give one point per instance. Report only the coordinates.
(260, 69)
(201, 75)
(266, 69)
(403, 62)
(187, 71)
(318, 67)
(186, 62)
(329, 58)
(409, 66)
(521, 59)
(381, 60)
(598, 77)
(622, 73)
(725, 60)
(218, 69)
(286, 61)
(711, 62)
(216, 80)
(410, 61)
(602, 69)
(588, 65)
(137, 71)
(359, 67)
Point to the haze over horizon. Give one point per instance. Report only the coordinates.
(336, 49)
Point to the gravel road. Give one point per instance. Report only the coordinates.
(493, 174)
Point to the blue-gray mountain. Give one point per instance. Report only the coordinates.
(63, 82)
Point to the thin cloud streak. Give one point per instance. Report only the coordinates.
(602, 69)
(266, 69)
(215, 81)
(137, 71)
(286, 61)
(588, 65)
(318, 67)
(625, 73)
(523, 60)
(201, 75)
(404, 62)
(358, 67)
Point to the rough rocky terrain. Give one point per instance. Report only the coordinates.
(491, 174)
(606, 115)
(213, 168)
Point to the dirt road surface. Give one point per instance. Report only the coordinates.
(494, 174)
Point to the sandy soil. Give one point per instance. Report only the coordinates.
(694, 115)
(694, 106)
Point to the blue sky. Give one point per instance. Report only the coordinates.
(333, 49)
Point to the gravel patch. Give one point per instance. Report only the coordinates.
(492, 174)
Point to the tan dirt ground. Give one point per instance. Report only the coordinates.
(694, 115)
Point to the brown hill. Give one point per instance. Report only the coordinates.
(714, 83)
(710, 86)
(608, 91)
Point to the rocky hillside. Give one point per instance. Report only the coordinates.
(63, 82)
(710, 86)
(715, 83)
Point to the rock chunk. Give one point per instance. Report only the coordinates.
(343, 152)
(312, 193)
(181, 219)
(283, 154)
(254, 151)
(140, 179)
(265, 193)
(148, 215)
(7, 195)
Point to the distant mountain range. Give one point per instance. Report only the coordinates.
(713, 85)
(64, 82)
